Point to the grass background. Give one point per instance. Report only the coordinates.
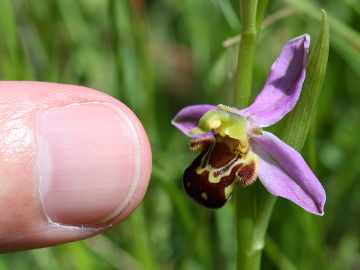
(158, 56)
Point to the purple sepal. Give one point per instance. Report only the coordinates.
(283, 172)
(283, 85)
(188, 119)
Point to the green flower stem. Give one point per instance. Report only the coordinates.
(249, 242)
(254, 206)
(246, 52)
(245, 68)
(248, 257)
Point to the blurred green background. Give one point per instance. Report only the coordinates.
(158, 56)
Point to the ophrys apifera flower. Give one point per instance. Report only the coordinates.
(234, 148)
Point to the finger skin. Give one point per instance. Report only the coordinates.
(23, 223)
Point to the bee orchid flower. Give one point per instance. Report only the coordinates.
(235, 150)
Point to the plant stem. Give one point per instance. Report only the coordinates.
(245, 69)
(254, 206)
(247, 257)
(242, 92)
(250, 239)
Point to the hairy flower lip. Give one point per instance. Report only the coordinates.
(282, 170)
(211, 177)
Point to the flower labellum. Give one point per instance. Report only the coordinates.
(235, 150)
(210, 179)
(224, 160)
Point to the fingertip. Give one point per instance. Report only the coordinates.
(84, 167)
(90, 162)
(145, 156)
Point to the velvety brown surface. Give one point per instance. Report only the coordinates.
(197, 184)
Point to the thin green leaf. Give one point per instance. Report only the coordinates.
(339, 28)
(8, 28)
(14, 63)
(277, 256)
(345, 39)
(354, 5)
(351, 56)
(229, 14)
(262, 4)
(299, 120)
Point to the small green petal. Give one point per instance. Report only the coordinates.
(224, 122)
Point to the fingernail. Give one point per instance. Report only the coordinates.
(88, 162)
